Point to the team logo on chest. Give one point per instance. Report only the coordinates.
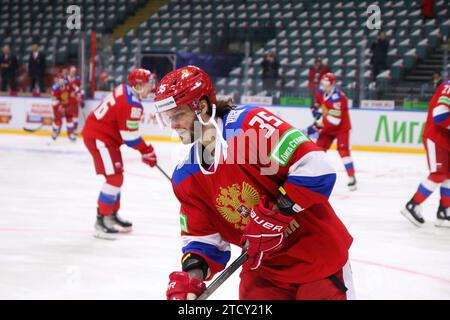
(235, 203)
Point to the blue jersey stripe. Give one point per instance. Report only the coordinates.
(129, 96)
(321, 184)
(442, 117)
(445, 192)
(424, 190)
(209, 250)
(133, 143)
(107, 198)
(188, 168)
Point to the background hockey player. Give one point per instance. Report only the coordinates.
(332, 122)
(436, 139)
(61, 92)
(76, 96)
(115, 122)
(251, 176)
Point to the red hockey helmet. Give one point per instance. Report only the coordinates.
(138, 76)
(328, 79)
(187, 85)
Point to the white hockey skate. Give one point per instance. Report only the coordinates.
(104, 228)
(443, 217)
(413, 212)
(352, 184)
(72, 137)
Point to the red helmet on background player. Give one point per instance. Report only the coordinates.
(187, 85)
(141, 77)
(328, 79)
(138, 76)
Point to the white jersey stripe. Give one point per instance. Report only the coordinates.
(129, 135)
(106, 157)
(312, 164)
(213, 239)
(431, 152)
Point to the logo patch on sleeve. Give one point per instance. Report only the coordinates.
(286, 146)
(132, 124)
(183, 223)
(135, 113)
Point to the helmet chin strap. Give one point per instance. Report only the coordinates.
(221, 144)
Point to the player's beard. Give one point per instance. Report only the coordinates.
(189, 136)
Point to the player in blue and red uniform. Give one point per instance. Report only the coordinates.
(61, 91)
(436, 139)
(332, 122)
(251, 176)
(115, 122)
(76, 100)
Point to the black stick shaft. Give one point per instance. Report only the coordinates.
(163, 172)
(224, 276)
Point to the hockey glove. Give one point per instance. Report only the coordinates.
(264, 232)
(313, 129)
(316, 112)
(149, 156)
(184, 287)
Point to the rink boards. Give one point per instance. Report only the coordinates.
(372, 130)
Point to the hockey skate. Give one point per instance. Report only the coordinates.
(72, 137)
(104, 228)
(443, 217)
(352, 184)
(123, 226)
(55, 133)
(413, 212)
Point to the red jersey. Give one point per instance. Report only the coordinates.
(437, 127)
(336, 118)
(264, 153)
(61, 95)
(116, 120)
(75, 90)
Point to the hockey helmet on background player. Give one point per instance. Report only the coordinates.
(187, 85)
(139, 76)
(328, 80)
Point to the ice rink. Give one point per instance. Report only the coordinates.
(48, 194)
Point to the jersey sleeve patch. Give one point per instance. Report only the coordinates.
(286, 146)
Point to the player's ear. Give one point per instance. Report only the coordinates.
(204, 107)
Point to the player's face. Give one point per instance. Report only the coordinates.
(182, 120)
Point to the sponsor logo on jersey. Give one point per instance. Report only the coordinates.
(235, 203)
(183, 223)
(132, 124)
(286, 146)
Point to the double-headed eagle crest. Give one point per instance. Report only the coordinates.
(235, 203)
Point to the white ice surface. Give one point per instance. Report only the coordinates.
(48, 194)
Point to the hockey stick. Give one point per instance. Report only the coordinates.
(225, 274)
(163, 172)
(33, 129)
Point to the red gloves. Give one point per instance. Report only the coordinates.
(264, 232)
(184, 287)
(149, 156)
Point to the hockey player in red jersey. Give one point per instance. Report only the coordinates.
(332, 121)
(115, 122)
(61, 92)
(76, 95)
(436, 139)
(251, 176)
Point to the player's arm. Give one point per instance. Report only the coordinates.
(308, 180)
(441, 113)
(333, 116)
(130, 118)
(205, 252)
(309, 177)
